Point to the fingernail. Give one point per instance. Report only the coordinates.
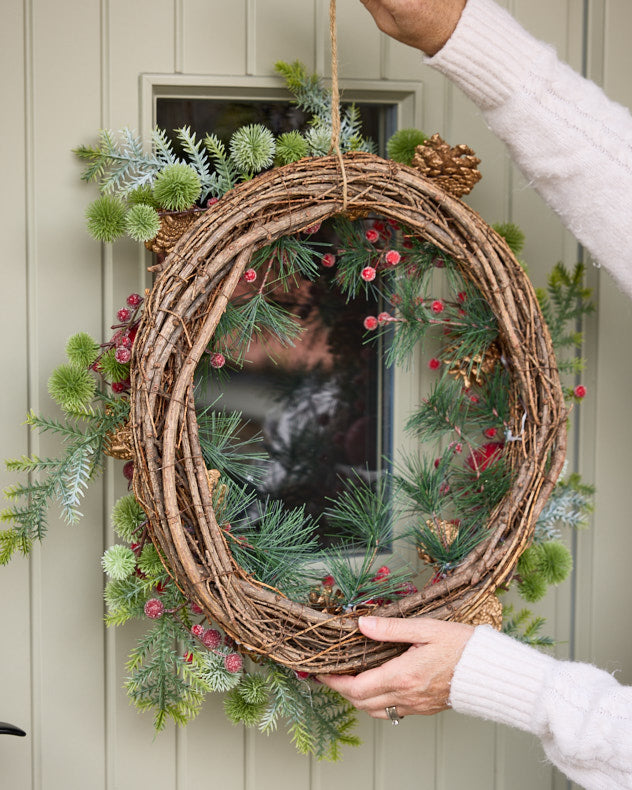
(367, 620)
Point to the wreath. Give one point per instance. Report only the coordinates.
(226, 575)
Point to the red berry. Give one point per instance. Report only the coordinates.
(383, 318)
(371, 322)
(118, 387)
(218, 360)
(434, 364)
(393, 257)
(313, 228)
(437, 461)
(301, 675)
(461, 296)
(368, 274)
(133, 300)
(579, 391)
(437, 306)
(395, 299)
(250, 275)
(197, 630)
(372, 235)
(212, 201)
(408, 589)
(234, 663)
(382, 573)
(490, 433)
(188, 657)
(124, 341)
(438, 262)
(122, 355)
(161, 587)
(329, 581)
(328, 260)
(196, 609)
(154, 609)
(128, 470)
(124, 314)
(211, 638)
(136, 548)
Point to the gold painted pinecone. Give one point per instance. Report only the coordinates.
(446, 531)
(454, 169)
(172, 226)
(473, 369)
(490, 612)
(118, 444)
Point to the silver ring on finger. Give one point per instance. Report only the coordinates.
(391, 712)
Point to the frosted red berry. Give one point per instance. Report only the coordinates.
(312, 228)
(490, 433)
(124, 314)
(393, 257)
(383, 572)
(328, 260)
(188, 657)
(118, 387)
(372, 235)
(368, 274)
(211, 638)
(579, 391)
(212, 201)
(218, 360)
(328, 581)
(301, 675)
(122, 355)
(371, 322)
(197, 630)
(154, 609)
(133, 300)
(195, 609)
(384, 317)
(484, 456)
(250, 275)
(234, 663)
(437, 306)
(434, 364)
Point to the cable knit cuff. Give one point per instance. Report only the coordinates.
(489, 55)
(500, 679)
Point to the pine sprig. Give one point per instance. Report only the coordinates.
(525, 627)
(363, 513)
(224, 450)
(226, 174)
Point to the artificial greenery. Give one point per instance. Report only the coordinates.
(443, 497)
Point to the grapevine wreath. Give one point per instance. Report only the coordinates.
(181, 314)
(202, 550)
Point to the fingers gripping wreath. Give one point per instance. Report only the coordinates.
(182, 312)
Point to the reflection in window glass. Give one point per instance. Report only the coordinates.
(322, 406)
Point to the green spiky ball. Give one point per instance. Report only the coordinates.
(119, 562)
(512, 234)
(82, 350)
(112, 369)
(127, 517)
(239, 711)
(290, 147)
(252, 148)
(533, 587)
(142, 222)
(71, 387)
(555, 561)
(149, 561)
(177, 187)
(318, 140)
(143, 194)
(401, 147)
(106, 218)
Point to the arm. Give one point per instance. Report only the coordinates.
(568, 138)
(581, 714)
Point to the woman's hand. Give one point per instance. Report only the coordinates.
(424, 24)
(418, 681)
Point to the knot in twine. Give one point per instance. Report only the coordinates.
(335, 101)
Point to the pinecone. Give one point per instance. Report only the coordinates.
(489, 613)
(446, 531)
(473, 369)
(172, 226)
(454, 169)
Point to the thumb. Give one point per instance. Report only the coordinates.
(396, 629)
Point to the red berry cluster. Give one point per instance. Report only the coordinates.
(121, 342)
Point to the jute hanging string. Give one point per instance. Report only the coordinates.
(182, 312)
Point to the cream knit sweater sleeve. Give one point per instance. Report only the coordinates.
(572, 143)
(580, 713)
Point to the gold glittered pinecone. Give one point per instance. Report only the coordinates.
(446, 531)
(473, 369)
(118, 444)
(490, 612)
(454, 169)
(326, 599)
(172, 226)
